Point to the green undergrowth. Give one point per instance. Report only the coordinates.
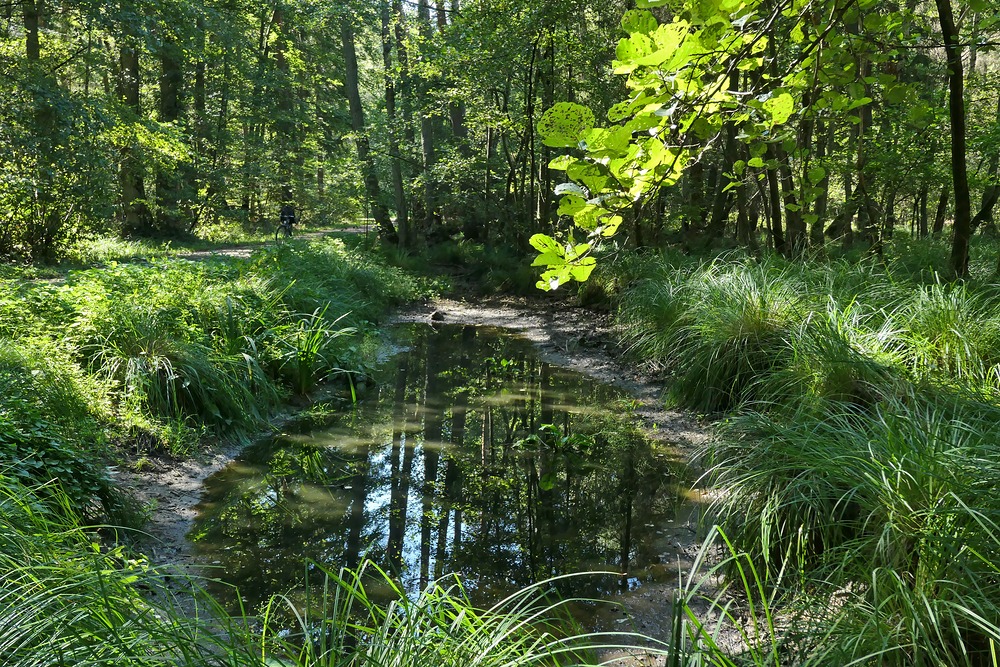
(890, 511)
(736, 330)
(854, 474)
(67, 600)
(464, 265)
(149, 357)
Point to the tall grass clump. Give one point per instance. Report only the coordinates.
(364, 618)
(68, 601)
(949, 333)
(153, 369)
(768, 331)
(840, 354)
(312, 350)
(890, 510)
(716, 329)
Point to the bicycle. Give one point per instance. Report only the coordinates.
(284, 231)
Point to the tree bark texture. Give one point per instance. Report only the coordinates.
(379, 211)
(959, 169)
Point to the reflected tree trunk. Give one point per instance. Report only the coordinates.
(433, 434)
(356, 512)
(399, 484)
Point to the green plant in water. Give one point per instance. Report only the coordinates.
(310, 345)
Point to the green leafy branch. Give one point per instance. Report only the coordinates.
(682, 76)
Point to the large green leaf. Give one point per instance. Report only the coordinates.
(571, 204)
(779, 108)
(592, 175)
(562, 125)
(638, 21)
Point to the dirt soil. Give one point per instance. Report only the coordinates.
(568, 336)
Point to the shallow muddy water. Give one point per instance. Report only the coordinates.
(471, 456)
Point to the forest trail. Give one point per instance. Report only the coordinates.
(244, 250)
(568, 336)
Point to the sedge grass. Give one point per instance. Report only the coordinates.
(893, 505)
(363, 618)
(66, 600)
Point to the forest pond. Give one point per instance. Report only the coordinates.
(471, 455)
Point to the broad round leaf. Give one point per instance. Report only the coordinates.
(562, 125)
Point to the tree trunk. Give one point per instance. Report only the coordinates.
(774, 212)
(547, 76)
(795, 229)
(942, 210)
(379, 211)
(442, 15)
(135, 214)
(32, 10)
(825, 144)
(284, 125)
(395, 156)
(889, 215)
(746, 224)
(991, 193)
(722, 201)
(200, 68)
(406, 86)
(922, 211)
(956, 113)
(427, 139)
(168, 183)
(529, 143)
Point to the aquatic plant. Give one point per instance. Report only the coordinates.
(311, 348)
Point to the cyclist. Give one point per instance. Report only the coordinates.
(286, 219)
(287, 215)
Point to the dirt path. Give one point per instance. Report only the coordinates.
(245, 250)
(567, 336)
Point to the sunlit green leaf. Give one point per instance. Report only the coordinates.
(562, 125)
(779, 108)
(544, 243)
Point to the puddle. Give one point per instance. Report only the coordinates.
(471, 456)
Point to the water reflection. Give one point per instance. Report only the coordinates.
(473, 456)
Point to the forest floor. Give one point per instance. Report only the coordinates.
(565, 335)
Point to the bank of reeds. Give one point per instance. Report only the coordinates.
(858, 463)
